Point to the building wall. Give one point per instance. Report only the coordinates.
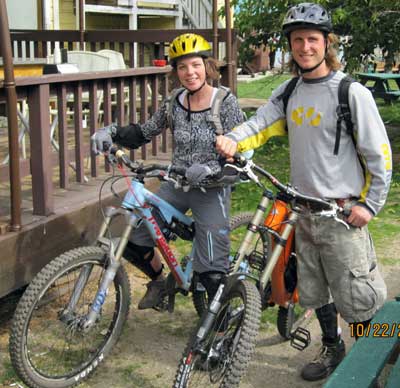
(101, 21)
(154, 5)
(22, 14)
(156, 23)
(67, 15)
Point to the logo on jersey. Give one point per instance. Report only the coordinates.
(302, 115)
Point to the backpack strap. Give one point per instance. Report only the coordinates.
(169, 102)
(285, 95)
(343, 112)
(215, 119)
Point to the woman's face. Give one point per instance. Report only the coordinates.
(191, 72)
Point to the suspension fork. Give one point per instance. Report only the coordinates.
(85, 272)
(244, 250)
(109, 275)
(279, 247)
(246, 245)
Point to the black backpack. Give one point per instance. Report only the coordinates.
(342, 110)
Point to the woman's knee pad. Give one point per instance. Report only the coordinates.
(141, 257)
(211, 282)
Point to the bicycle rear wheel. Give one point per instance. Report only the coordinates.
(222, 358)
(49, 350)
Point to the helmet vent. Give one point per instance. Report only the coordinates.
(184, 46)
(194, 43)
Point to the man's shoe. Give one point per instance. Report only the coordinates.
(325, 363)
(154, 295)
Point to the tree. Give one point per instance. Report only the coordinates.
(369, 23)
(259, 23)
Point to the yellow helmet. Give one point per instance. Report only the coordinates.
(186, 45)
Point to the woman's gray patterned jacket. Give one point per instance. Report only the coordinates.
(193, 134)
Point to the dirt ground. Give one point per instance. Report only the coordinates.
(151, 344)
(150, 347)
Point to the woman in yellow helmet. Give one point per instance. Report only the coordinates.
(187, 113)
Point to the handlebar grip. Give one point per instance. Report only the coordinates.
(120, 154)
(178, 170)
(239, 159)
(346, 212)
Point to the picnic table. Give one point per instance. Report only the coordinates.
(380, 85)
(378, 346)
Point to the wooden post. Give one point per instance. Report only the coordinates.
(63, 135)
(229, 42)
(41, 167)
(9, 85)
(215, 29)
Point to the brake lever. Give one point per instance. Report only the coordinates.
(333, 213)
(342, 222)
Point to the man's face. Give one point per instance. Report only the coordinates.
(308, 47)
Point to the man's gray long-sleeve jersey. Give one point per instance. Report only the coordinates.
(362, 170)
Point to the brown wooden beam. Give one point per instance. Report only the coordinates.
(42, 185)
(9, 85)
(63, 135)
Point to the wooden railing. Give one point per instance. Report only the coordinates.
(58, 104)
(39, 44)
(102, 98)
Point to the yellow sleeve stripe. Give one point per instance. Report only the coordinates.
(368, 178)
(257, 140)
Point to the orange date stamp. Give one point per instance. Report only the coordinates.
(381, 330)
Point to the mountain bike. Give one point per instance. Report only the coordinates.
(73, 312)
(218, 352)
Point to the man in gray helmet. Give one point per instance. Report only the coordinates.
(346, 162)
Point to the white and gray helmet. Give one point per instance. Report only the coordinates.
(307, 15)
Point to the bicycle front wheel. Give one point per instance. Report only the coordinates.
(223, 356)
(49, 350)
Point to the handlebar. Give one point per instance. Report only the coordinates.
(250, 169)
(175, 174)
(135, 167)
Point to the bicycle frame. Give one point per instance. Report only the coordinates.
(275, 220)
(136, 207)
(280, 238)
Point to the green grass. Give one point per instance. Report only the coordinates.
(261, 88)
(7, 374)
(275, 155)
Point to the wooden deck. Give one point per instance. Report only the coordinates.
(75, 222)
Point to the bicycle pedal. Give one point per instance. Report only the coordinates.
(300, 338)
(162, 306)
